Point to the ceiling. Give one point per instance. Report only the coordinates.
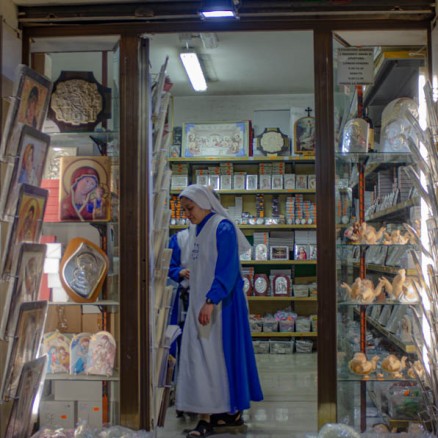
(243, 63)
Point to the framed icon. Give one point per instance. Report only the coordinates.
(30, 103)
(85, 189)
(261, 285)
(79, 353)
(30, 388)
(301, 252)
(27, 223)
(24, 345)
(265, 182)
(251, 182)
(227, 139)
(355, 136)
(279, 252)
(27, 167)
(273, 142)
(281, 285)
(57, 347)
(202, 180)
(79, 102)
(83, 270)
(101, 354)
(226, 182)
(27, 269)
(214, 182)
(301, 182)
(304, 136)
(289, 181)
(277, 182)
(239, 181)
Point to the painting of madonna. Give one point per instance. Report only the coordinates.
(84, 189)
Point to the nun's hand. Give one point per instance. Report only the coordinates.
(204, 316)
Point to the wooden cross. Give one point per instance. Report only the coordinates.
(308, 111)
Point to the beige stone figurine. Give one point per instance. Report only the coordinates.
(392, 364)
(396, 238)
(401, 288)
(363, 290)
(361, 365)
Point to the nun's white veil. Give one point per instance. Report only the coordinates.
(205, 198)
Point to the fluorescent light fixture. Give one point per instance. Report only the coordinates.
(218, 9)
(194, 71)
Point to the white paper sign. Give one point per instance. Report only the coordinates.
(355, 66)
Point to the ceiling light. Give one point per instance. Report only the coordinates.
(218, 9)
(194, 71)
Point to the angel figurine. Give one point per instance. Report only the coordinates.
(363, 290)
(396, 238)
(401, 288)
(392, 364)
(361, 365)
(369, 234)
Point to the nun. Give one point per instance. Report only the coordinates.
(217, 374)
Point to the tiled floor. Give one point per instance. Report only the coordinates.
(289, 408)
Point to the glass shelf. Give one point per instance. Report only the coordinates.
(376, 245)
(374, 157)
(73, 303)
(375, 303)
(83, 377)
(344, 377)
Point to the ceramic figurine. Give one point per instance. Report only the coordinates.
(416, 370)
(395, 288)
(369, 235)
(396, 238)
(363, 290)
(361, 365)
(392, 364)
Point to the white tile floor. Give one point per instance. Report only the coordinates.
(289, 408)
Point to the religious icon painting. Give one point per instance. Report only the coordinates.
(304, 135)
(261, 285)
(26, 168)
(247, 285)
(83, 270)
(57, 347)
(26, 403)
(27, 268)
(27, 223)
(79, 102)
(24, 345)
(355, 136)
(281, 285)
(31, 96)
(101, 354)
(79, 347)
(85, 189)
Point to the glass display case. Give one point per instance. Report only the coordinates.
(83, 125)
(378, 221)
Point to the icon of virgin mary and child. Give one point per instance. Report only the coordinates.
(87, 199)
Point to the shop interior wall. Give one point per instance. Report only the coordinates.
(235, 108)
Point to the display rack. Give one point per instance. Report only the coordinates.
(300, 269)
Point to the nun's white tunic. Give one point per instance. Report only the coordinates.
(202, 383)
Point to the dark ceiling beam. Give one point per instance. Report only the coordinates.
(174, 10)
